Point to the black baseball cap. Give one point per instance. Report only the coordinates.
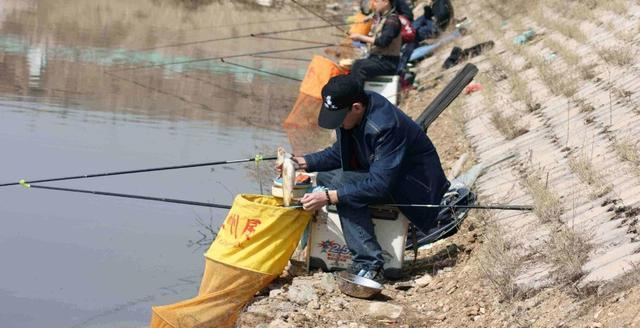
(338, 95)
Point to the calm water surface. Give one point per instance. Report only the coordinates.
(69, 107)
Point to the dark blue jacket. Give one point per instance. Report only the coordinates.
(402, 163)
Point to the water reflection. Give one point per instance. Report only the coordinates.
(68, 108)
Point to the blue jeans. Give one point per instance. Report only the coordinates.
(425, 29)
(356, 222)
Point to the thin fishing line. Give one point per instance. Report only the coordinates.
(198, 106)
(219, 57)
(261, 70)
(287, 39)
(160, 91)
(174, 45)
(163, 168)
(319, 16)
(307, 18)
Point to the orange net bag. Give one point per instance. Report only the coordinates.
(319, 72)
(361, 25)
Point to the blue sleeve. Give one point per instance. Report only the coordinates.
(390, 148)
(324, 160)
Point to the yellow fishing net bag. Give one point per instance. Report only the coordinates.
(251, 249)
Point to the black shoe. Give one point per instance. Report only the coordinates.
(454, 58)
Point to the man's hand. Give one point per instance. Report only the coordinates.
(314, 201)
(361, 38)
(356, 36)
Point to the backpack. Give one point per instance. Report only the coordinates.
(407, 31)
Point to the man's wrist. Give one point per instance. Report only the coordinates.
(333, 196)
(302, 163)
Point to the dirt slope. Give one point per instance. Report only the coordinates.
(566, 103)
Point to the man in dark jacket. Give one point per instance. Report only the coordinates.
(380, 156)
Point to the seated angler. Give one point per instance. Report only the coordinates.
(384, 42)
(380, 156)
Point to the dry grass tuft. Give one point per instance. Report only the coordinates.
(558, 82)
(548, 207)
(570, 57)
(566, 28)
(585, 107)
(621, 55)
(567, 250)
(628, 150)
(582, 10)
(508, 124)
(583, 168)
(521, 91)
(619, 7)
(499, 262)
(628, 280)
(627, 36)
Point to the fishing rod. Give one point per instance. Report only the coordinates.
(223, 206)
(226, 57)
(481, 207)
(174, 45)
(283, 58)
(319, 16)
(113, 194)
(287, 39)
(257, 158)
(261, 70)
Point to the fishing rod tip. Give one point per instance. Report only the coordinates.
(24, 183)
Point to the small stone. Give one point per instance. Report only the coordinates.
(424, 280)
(385, 310)
(276, 293)
(280, 324)
(483, 310)
(445, 308)
(313, 305)
(596, 325)
(328, 282)
(302, 293)
(440, 317)
(472, 311)
(298, 318)
(597, 314)
(284, 307)
(476, 318)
